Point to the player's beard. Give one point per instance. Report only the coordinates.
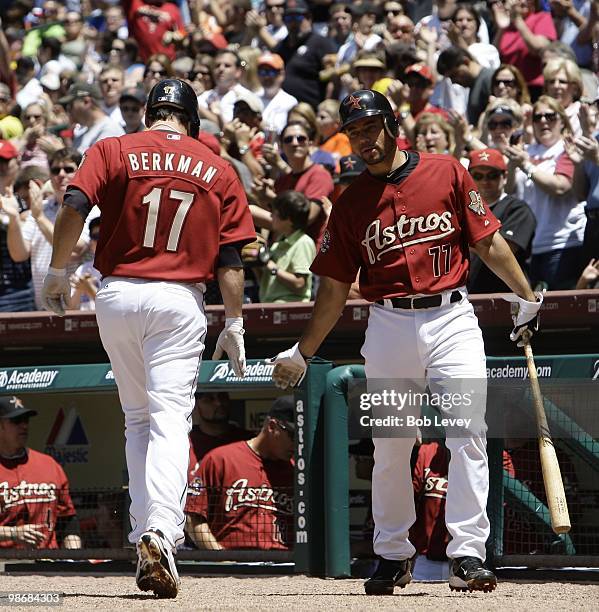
(373, 155)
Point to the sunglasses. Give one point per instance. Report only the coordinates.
(268, 72)
(193, 75)
(130, 109)
(506, 82)
(67, 170)
(505, 124)
(394, 12)
(155, 73)
(549, 117)
(24, 418)
(301, 139)
(487, 176)
(291, 17)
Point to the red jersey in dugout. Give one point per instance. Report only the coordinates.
(406, 239)
(247, 501)
(167, 204)
(34, 490)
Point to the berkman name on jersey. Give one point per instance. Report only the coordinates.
(143, 162)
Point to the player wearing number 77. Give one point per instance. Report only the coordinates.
(406, 224)
(174, 216)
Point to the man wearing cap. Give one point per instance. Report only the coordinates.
(36, 507)
(277, 102)
(132, 103)
(242, 496)
(489, 171)
(303, 53)
(90, 123)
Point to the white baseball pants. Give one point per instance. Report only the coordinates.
(153, 332)
(441, 343)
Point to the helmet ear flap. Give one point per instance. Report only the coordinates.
(391, 126)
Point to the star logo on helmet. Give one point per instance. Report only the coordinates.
(169, 89)
(353, 102)
(484, 156)
(349, 164)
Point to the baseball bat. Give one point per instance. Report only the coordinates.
(552, 477)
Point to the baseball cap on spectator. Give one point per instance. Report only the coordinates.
(80, 90)
(7, 150)
(273, 60)
(133, 93)
(12, 407)
(369, 62)
(254, 103)
(50, 81)
(210, 140)
(296, 7)
(488, 158)
(351, 166)
(283, 409)
(503, 110)
(421, 70)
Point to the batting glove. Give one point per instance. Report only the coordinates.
(290, 368)
(526, 317)
(56, 292)
(230, 341)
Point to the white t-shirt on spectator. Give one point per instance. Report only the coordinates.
(276, 108)
(226, 101)
(85, 137)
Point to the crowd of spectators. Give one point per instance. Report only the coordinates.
(467, 79)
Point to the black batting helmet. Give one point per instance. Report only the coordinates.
(367, 103)
(180, 95)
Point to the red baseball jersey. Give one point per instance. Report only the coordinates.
(246, 500)
(429, 534)
(200, 444)
(167, 202)
(406, 239)
(34, 490)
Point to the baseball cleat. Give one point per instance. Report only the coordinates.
(388, 575)
(156, 569)
(469, 574)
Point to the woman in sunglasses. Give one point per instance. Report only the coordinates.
(507, 82)
(541, 174)
(158, 67)
(501, 124)
(563, 81)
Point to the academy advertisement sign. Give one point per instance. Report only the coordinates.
(220, 372)
(27, 379)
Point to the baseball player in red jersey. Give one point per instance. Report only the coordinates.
(36, 510)
(174, 215)
(406, 224)
(242, 494)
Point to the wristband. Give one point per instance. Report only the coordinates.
(57, 271)
(234, 322)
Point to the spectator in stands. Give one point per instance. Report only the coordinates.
(351, 166)
(49, 26)
(85, 281)
(112, 82)
(541, 174)
(16, 287)
(243, 494)
(569, 17)
(286, 276)
(277, 102)
(462, 68)
(507, 82)
(217, 104)
(489, 171)
(522, 30)
(10, 126)
(563, 81)
(32, 239)
(211, 427)
(501, 125)
(74, 45)
(433, 134)
(51, 59)
(590, 276)
(266, 29)
(302, 68)
(362, 36)
(340, 24)
(90, 122)
(36, 142)
(36, 509)
(200, 75)
(152, 25)
(29, 89)
(366, 70)
(132, 104)
(158, 67)
(331, 139)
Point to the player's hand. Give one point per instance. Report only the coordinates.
(230, 341)
(290, 368)
(527, 316)
(56, 292)
(30, 535)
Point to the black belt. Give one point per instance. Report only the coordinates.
(415, 303)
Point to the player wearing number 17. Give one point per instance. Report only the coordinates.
(406, 224)
(174, 215)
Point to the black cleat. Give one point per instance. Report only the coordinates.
(469, 574)
(388, 575)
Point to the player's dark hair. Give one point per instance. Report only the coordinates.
(293, 205)
(62, 155)
(451, 58)
(164, 113)
(307, 128)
